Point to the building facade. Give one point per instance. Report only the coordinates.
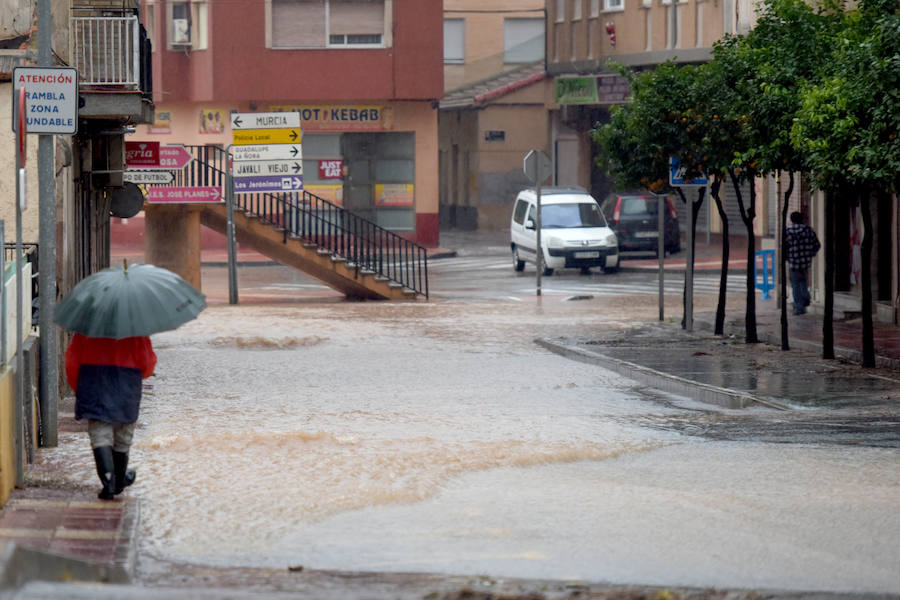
(365, 76)
(495, 110)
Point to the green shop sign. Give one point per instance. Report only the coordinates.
(576, 90)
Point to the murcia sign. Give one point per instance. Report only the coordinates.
(51, 99)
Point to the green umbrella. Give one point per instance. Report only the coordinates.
(121, 302)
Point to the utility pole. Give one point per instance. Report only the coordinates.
(49, 388)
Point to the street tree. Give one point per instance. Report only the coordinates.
(848, 125)
(639, 139)
(783, 52)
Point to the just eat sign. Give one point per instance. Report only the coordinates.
(331, 169)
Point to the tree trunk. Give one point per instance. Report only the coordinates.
(748, 214)
(782, 264)
(684, 201)
(828, 318)
(726, 249)
(868, 335)
(695, 213)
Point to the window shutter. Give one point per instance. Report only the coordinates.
(298, 23)
(356, 17)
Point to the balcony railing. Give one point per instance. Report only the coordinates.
(107, 51)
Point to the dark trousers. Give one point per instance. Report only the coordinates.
(801, 292)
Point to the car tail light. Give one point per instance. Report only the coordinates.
(617, 211)
(672, 208)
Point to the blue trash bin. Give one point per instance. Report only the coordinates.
(764, 265)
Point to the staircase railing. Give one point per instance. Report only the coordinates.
(366, 246)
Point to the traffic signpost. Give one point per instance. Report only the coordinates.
(267, 152)
(538, 166)
(677, 179)
(150, 177)
(184, 195)
(174, 156)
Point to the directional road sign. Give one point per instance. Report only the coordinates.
(150, 177)
(243, 137)
(184, 195)
(267, 152)
(174, 156)
(267, 167)
(269, 120)
(268, 183)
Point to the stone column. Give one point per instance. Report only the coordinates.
(172, 238)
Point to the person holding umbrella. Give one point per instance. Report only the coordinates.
(113, 312)
(106, 375)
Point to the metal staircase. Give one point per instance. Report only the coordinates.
(298, 229)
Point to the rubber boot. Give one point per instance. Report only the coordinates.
(124, 475)
(106, 470)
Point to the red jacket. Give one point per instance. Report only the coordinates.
(106, 375)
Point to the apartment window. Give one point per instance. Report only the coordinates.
(186, 25)
(612, 5)
(327, 23)
(576, 10)
(523, 40)
(454, 41)
(595, 8)
(560, 11)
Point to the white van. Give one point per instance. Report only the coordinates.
(574, 232)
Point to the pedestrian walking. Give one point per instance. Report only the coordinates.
(802, 246)
(112, 314)
(106, 375)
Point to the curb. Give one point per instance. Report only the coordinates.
(666, 382)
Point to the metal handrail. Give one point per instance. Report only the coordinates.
(366, 246)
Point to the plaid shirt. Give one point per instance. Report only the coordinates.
(802, 245)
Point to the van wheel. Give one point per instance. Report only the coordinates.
(518, 263)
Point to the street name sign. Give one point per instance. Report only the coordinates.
(150, 177)
(268, 183)
(243, 137)
(267, 167)
(51, 99)
(184, 195)
(267, 152)
(269, 120)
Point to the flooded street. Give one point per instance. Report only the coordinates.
(437, 437)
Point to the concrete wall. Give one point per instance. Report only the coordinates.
(481, 176)
(7, 440)
(644, 34)
(8, 174)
